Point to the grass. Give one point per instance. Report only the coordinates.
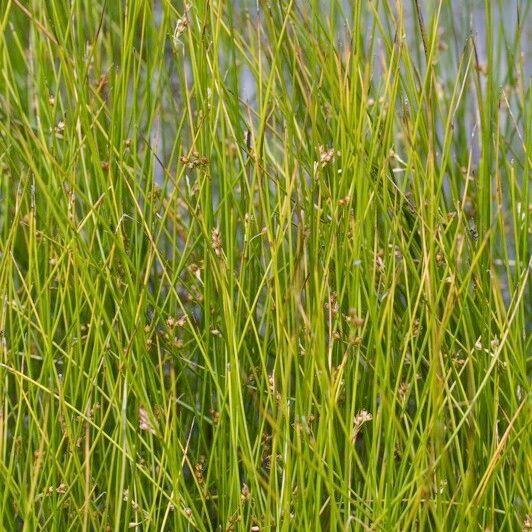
(265, 266)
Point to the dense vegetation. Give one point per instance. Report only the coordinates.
(264, 265)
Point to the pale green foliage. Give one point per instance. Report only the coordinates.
(264, 269)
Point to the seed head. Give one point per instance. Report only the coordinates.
(245, 494)
(216, 242)
(144, 421)
(326, 155)
(362, 417)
